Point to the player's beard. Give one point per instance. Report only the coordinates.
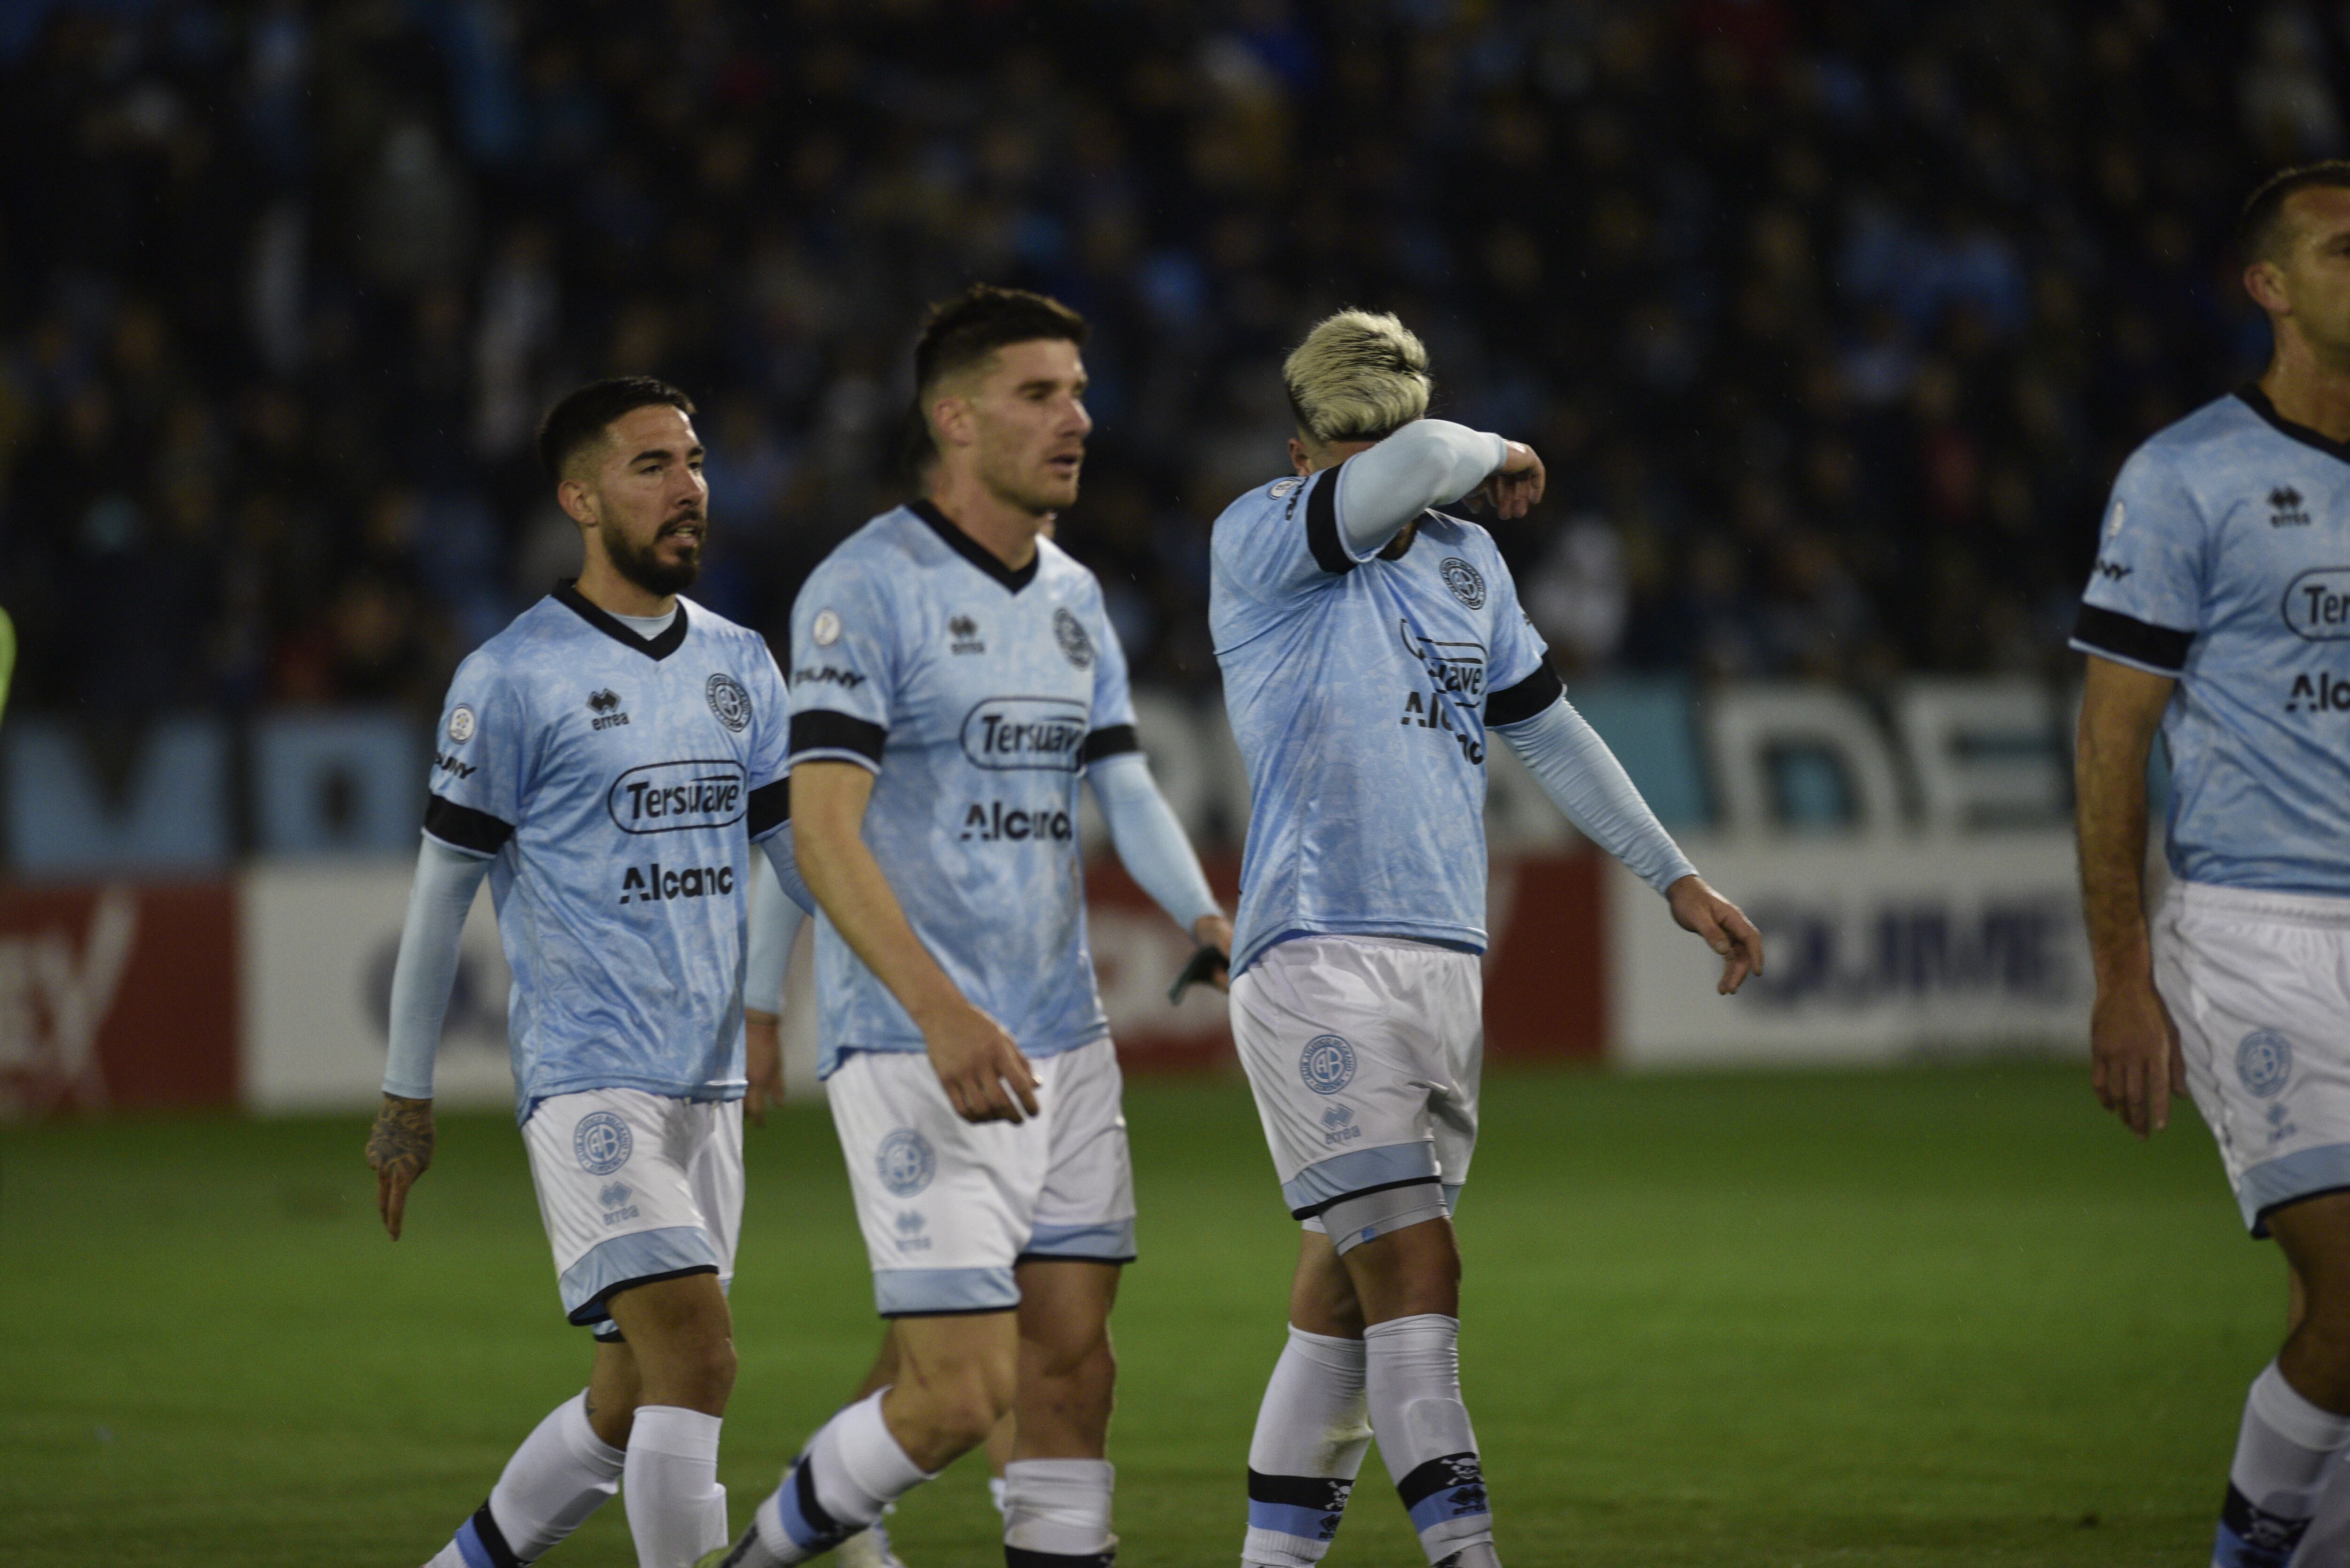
(644, 567)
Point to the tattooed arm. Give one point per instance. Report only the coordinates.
(399, 1150)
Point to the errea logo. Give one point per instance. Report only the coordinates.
(2286, 509)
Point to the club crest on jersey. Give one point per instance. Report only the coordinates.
(1468, 585)
(964, 631)
(906, 1162)
(729, 702)
(461, 724)
(605, 706)
(824, 631)
(602, 1143)
(1327, 1064)
(1075, 646)
(2264, 1062)
(1008, 733)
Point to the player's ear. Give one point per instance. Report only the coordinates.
(2264, 281)
(951, 421)
(1300, 459)
(578, 501)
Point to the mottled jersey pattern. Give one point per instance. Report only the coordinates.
(2224, 561)
(977, 695)
(1360, 692)
(617, 784)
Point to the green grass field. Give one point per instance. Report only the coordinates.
(1934, 1316)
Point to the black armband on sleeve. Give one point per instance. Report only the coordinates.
(1534, 694)
(822, 730)
(1322, 524)
(2159, 647)
(462, 828)
(771, 807)
(1110, 740)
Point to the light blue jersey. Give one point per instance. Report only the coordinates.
(978, 695)
(1360, 692)
(617, 782)
(2224, 561)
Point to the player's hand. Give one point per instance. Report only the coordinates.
(398, 1150)
(985, 1076)
(2134, 1060)
(1514, 488)
(763, 1063)
(1215, 931)
(1724, 927)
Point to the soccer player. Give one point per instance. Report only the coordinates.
(1371, 650)
(607, 760)
(953, 677)
(2218, 609)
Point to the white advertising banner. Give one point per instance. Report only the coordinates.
(1876, 949)
(318, 940)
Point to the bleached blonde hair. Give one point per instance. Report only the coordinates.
(1359, 376)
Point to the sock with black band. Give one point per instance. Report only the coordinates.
(850, 1472)
(1412, 1382)
(2284, 1452)
(1312, 1432)
(562, 1473)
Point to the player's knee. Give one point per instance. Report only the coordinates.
(964, 1411)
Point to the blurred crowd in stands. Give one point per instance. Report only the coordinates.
(1833, 319)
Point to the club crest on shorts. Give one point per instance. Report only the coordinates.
(1328, 1064)
(1467, 583)
(2265, 1061)
(602, 1143)
(729, 702)
(1075, 646)
(906, 1162)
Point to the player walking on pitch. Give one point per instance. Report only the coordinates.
(607, 760)
(2217, 600)
(953, 676)
(1370, 647)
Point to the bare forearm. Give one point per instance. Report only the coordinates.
(856, 896)
(2109, 776)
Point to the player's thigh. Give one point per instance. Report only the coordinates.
(947, 1356)
(1084, 1208)
(2315, 1236)
(945, 1205)
(613, 1169)
(1064, 1307)
(1322, 1293)
(2254, 984)
(686, 1316)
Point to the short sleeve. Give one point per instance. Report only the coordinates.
(480, 761)
(845, 666)
(1523, 683)
(771, 730)
(1284, 537)
(2145, 600)
(1112, 732)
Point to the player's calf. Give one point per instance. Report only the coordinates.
(681, 1338)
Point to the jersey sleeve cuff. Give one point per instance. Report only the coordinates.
(820, 734)
(2158, 649)
(1530, 697)
(463, 829)
(1110, 740)
(770, 807)
(1321, 534)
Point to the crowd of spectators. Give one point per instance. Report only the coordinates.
(1831, 319)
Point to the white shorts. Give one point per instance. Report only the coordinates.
(2259, 985)
(948, 1207)
(1364, 1054)
(635, 1187)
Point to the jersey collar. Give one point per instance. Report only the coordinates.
(2258, 401)
(567, 594)
(971, 550)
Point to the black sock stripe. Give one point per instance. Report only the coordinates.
(493, 1539)
(2258, 1528)
(804, 1477)
(1327, 1494)
(1444, 1471)
(1020, 1557)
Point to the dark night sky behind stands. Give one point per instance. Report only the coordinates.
(1832, 320)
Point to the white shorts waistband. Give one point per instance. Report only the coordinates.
(2261, 903)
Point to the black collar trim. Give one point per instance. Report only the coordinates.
(567, 594)
(2258, 401)
(971, 550)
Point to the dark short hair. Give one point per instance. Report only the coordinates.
(2260, 226)
(958, 333)
(581, 419)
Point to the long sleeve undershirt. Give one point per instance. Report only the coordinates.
(1428, 462)
(776, 919)
(1150, 842)
(1584, 779)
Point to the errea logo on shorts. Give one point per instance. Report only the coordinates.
(1327, 1065)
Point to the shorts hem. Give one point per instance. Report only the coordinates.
(592, 1312)
(947, 1312)
(1116, 1263)
(637, 1258)
(1323, 1183)
(2278, 1183)
(2259, 1227)
(1318, 1209)
(923, 1293)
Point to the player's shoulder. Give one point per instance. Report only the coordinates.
(1278, 498)
(889, 552)
(1063, 573)
(2207, 446)
(524, 646)
(703, 621)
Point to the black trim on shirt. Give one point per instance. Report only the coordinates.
(2141, 642)
(465, 829)
(2258, 401)
(770, 807)
(1534, 694)
(1322, 524)
(567, 594)
(971, 550)
(822, 730)
(1110, 740)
